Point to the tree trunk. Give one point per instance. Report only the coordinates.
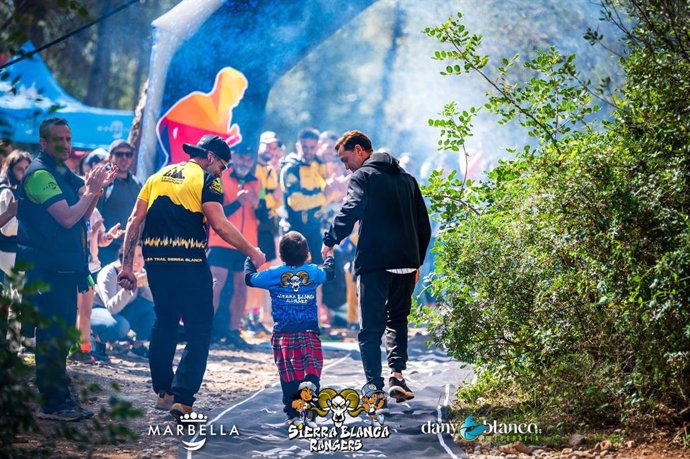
(99, 77)
(380, 119)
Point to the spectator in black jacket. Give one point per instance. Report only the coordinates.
(393, 237)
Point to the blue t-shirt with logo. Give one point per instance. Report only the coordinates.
(293, 293)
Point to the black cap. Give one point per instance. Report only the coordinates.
(211, 143)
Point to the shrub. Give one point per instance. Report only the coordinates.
(565, 275)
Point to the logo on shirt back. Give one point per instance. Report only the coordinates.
(174, 175)
(296, 280)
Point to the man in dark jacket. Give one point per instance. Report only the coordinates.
(51, 239)
(394, 234)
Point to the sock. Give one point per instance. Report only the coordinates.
(85, 347)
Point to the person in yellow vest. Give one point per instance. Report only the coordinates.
(241, 191)
(267, 172)
(305, 193)
(270, 200)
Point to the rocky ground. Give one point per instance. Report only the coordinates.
(230, 375)
(659, 447)
(233, 374)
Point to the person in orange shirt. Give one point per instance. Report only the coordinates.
(241, 191)
(270, 200)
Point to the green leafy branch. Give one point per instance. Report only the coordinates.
(549, 105)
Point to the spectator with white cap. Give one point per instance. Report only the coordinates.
(267, 170)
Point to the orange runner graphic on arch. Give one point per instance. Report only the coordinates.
(200, 113)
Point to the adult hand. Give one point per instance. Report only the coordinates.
(253, 197)
(12, 208)
(326, 251)
(113, 170)
(258, 257)
(99, 177)
(127, 280)
(416, 276)
(243, 196)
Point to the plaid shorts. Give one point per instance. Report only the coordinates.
(297, 355)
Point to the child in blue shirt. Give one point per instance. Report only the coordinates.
(295, 339)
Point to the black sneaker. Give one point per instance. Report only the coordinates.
(397, 389)
(234, 339)
(85, 412)
(100, 352)
(67, 412)
(141, 351)
(260, 329)
(80, 356)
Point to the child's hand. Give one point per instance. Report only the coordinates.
(142, 279)
(114, 233)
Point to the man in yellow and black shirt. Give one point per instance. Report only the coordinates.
(175, 204)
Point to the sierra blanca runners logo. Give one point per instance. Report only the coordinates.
(338, 407)
(195, 425)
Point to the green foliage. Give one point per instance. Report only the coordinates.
(18, 399)
(564, 276)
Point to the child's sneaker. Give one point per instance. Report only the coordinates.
(397, 388)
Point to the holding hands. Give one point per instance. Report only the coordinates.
(127, 279)
(326, 251)
(257, 257)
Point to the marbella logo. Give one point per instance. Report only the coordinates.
(337, 407)
(196, 426)
(470, 430)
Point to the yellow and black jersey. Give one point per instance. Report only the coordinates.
(303, 191)
(175, 231)
(269, 182)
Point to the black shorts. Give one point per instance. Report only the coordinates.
(230, 259)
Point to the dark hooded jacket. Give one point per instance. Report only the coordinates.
(394, 229)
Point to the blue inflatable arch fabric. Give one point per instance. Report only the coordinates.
(196, 40)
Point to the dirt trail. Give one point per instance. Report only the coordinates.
(232, 375)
